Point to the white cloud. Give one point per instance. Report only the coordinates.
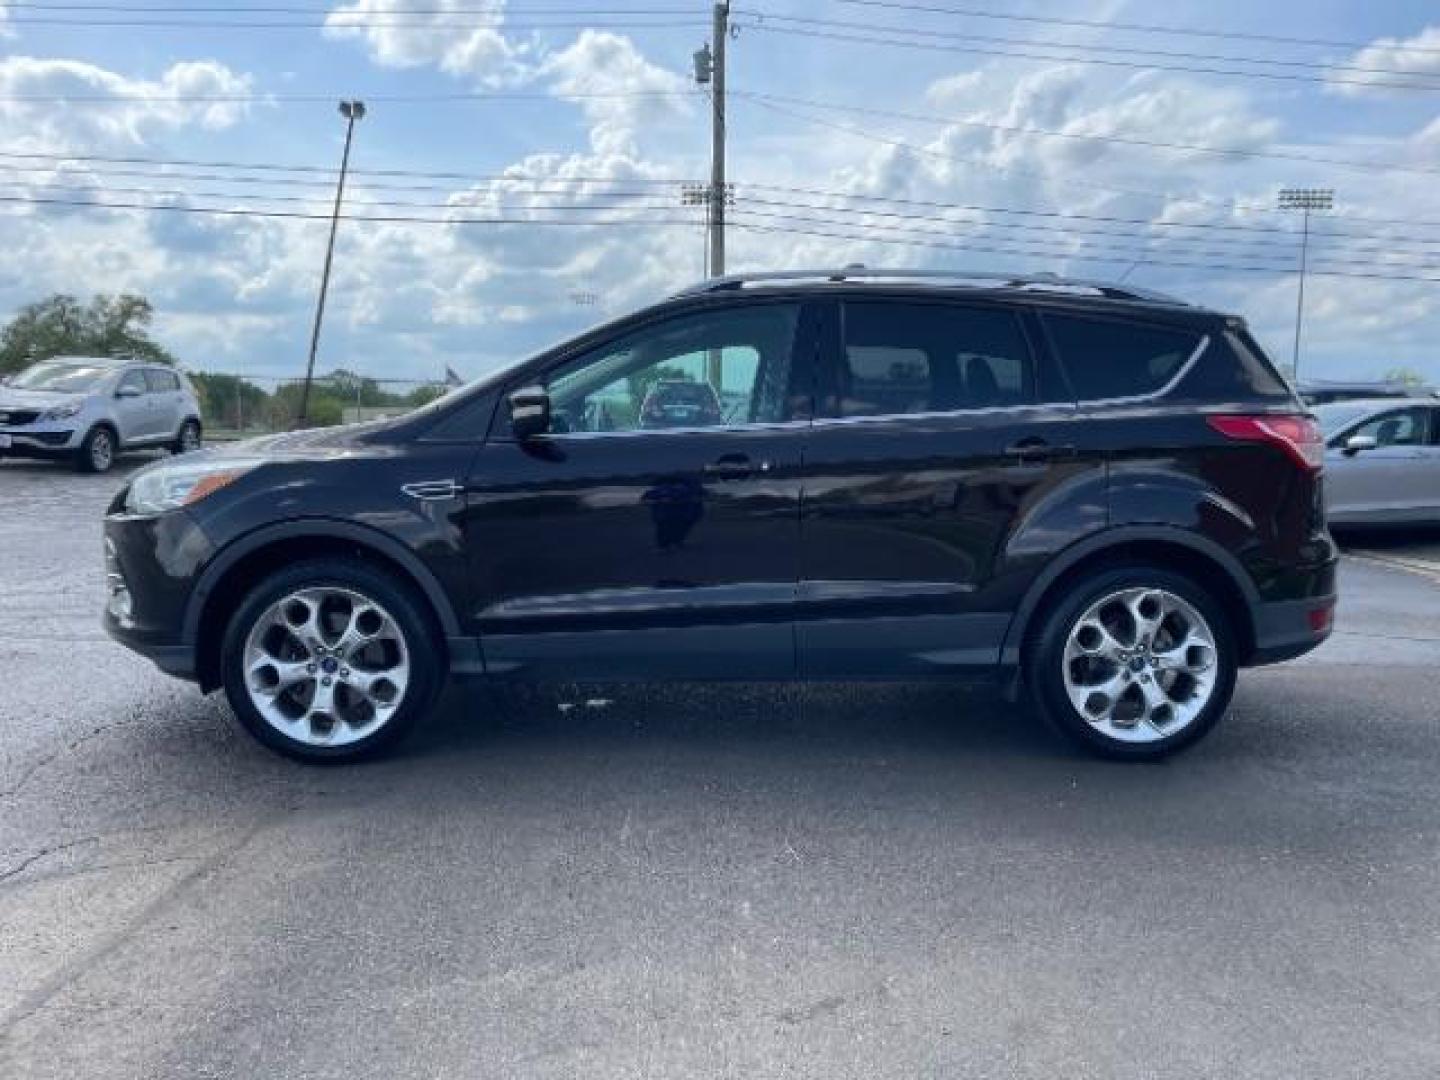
(128, 109)
(601, 63)
(1391, 60)
(461, 37)
(408, 299)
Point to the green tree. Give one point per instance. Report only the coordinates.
(423, 395)
(61, 325)
(1405, 376)
(228, 401)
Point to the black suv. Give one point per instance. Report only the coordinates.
(1103, 495)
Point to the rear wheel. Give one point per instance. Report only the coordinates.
(97, 452)
(330, 660)
(1134, 663)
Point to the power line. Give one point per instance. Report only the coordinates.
(325, 9)
(302, 216)
(172, 193)
(348, 23)
(264, 98)
(280, 172)
(1071, 58)
(945, 35)
(1277, 238)
(1287, 244)
(872, 237)
(927, 151)
(322, 170)
(1078, 216)
(1146, 28)
(1143, 260)
(1223, 151)
(1164, 197)
(48, 176)
(1279, 261)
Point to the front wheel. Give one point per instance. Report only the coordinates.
(1134, 663)
(188, 439)
(97, 451)
(330, 660)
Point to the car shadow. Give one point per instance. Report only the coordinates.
(1385, 537)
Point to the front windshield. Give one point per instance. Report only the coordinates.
(61, 377)
(1338, 414)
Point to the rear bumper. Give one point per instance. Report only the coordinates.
(1286, 629)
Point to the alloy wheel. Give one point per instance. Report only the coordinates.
(102, 450)
(326, 666)
(1140, 664)
(189, 439)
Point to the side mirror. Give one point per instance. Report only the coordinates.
(529, 412)
(1355, 443)
(127, 391)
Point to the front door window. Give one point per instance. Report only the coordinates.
(705, 370)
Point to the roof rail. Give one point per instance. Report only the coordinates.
(1039, 282)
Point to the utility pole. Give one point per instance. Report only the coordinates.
(1304, 200)
(352, 111)
(710, 70)
(721, 34)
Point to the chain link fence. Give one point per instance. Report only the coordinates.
(237, 406)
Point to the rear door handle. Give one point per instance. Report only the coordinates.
(1038, 450)
(735, 467)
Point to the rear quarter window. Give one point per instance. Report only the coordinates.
(1235, 368)
(1109, 358)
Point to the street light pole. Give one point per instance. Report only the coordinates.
(352, 111)
(1304, 200)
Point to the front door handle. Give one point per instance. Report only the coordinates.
(735, 467)
(1036, 449)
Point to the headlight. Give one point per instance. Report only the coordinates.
(62, 412)
(169, 487)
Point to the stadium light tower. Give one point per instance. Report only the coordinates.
(351, 111)
(1305, 200)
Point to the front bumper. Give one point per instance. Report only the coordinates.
(151, 566)
(37, 440)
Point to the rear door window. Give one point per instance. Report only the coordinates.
(1107, 358)
(898, 358)
(161, 381)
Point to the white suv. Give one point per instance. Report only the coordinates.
(90, 408)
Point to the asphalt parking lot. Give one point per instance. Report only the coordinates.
(840, 881)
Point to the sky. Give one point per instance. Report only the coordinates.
(518, 173)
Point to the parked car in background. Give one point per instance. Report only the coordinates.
(1382, 460)
(88, 409)
(1103, 495)
(1323, 393)
(680, 403)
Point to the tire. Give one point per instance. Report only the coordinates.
(273, 666)
(187, 439)
(97, 452)
(1147, 702)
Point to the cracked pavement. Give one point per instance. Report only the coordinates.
(838, 881)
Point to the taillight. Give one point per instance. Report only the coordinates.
(1298, 436)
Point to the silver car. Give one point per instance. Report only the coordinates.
(88, 409)
(1382, 461)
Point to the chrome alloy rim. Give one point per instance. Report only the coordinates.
(1140, 665)
(326, 666)
(102, 451)
(189, 439)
